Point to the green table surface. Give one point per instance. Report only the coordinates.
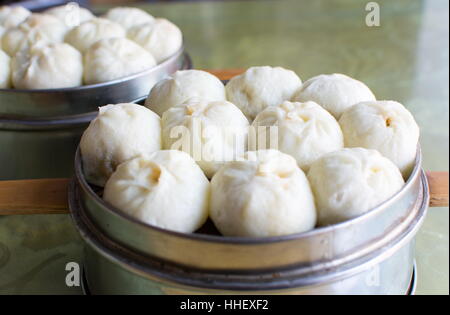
(406, 59)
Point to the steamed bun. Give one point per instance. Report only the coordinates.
(128, 16)
(47, 67)
(334, 92)
(305, 130)
(350, 182)
(119, 133)
(265, 194)
(2, 31)
(216, 132)
(261, 87)
(5, 71)
(165, 189)
(70, 14)
(183, 86)
(386, 126)
(86, 34)
(161, 38)
(12, 16)
(37, 28)
(115, 58)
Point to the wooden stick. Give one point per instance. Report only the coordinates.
(225, 74)
(34, 196)
(438, 183)
(49, 196)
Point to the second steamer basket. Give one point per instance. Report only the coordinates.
(40, 129)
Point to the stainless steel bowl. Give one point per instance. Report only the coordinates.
(40, 129)
(370, 254)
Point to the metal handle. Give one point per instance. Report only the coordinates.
(49, 196)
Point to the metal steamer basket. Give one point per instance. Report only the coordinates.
(370, 254)
(40, 129)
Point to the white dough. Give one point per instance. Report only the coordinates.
(265, 195)
(215, 132)
(12, 16)
(386, 126)
(2, 31)
(37, 29)
(47, 67)
(88, 33)
(305, 130)
(261, 87)
(5, 71)
(165, 189)
(184, 86)
(71, 14)
(334, 92)
(161, 38)
(128, 16)
(119, 133)
(350, 182)
(115, 58)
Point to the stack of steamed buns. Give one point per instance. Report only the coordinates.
(68, 46)
(338, 152)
